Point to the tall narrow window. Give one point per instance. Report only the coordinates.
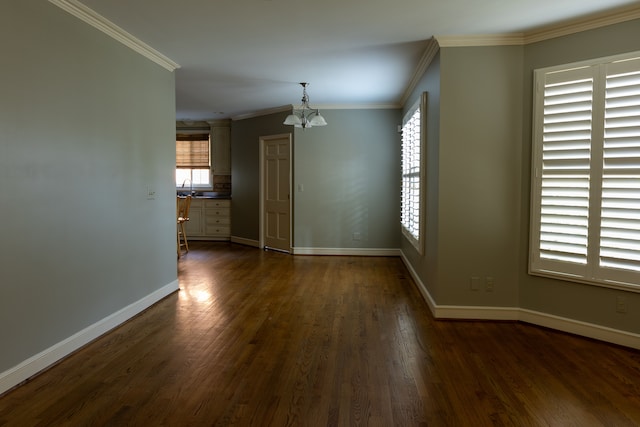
(411, 215)
(585, 222)
(193, 163)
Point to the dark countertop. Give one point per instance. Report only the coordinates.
(205, 195)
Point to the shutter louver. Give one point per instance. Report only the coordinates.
(620, 211)
(410, 215)
(566, 156)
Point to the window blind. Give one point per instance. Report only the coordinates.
(566, 156)
(192, 150)
(413, 175)
(620, 212)
(585, 219)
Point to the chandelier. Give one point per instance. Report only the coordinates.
(305, 116)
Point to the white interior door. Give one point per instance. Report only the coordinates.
(276, 194)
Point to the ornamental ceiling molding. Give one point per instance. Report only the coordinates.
(82, 12)
(563, 29)
(427, 57)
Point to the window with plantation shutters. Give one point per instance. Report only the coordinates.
(585, 221)
(193, 162)
(411, 214)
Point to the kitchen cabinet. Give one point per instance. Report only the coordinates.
(221, 147)
(193, 227)
(217, 219)
(209, 219)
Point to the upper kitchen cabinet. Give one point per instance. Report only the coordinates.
(221, 146)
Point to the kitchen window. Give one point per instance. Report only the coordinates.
(585, 219)
(193, 160)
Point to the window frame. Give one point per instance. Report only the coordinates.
(180, 186)
(416, 241)
(594, 270)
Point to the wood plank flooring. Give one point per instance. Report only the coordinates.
(258, 338)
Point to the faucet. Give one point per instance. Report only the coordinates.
(190, 185)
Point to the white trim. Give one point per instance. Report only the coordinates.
(385, 106)
(565, 28)
(476, 312)
(515, 39)
(427, 58)
(82, 12)
(589, 330)
(264, 112)
(584, 24)
(421, 286)
(37, 363)
(246, 242)
(392, 106)
(346, 251)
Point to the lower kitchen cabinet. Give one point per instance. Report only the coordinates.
(209, 219)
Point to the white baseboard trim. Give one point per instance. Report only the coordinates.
(31, 366)
(246, 242)
(346, 251)
(476, 312)
(589, 330)
(421, 287)
(602, 333)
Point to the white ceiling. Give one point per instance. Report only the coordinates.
(237, 57)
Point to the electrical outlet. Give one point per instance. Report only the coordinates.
(475, 283)
(356, 236)
(488, 284)
(621, 305)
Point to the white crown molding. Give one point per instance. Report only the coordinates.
(260, 113)
(357, 106)
(291, 107)
(557, 30)
(481, 40)
(82, 12)
(427, 57)
(578, 25)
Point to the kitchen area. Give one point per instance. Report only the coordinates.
(208, 182)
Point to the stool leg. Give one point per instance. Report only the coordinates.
(178, 234)
(184, 237)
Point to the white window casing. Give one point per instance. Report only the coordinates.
(413, 172)
(585, 218)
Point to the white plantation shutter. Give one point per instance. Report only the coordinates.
(566, 157)
(412, 174)
(620, 212)
(585, 222)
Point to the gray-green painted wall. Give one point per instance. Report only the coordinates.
(245, 171)
(426, 264)
(349, 171)
(479, 166)
(86, 124)
(561, 298)
(479, 179)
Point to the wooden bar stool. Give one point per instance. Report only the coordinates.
(182, 212)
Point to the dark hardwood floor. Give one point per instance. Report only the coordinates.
(259, 338)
